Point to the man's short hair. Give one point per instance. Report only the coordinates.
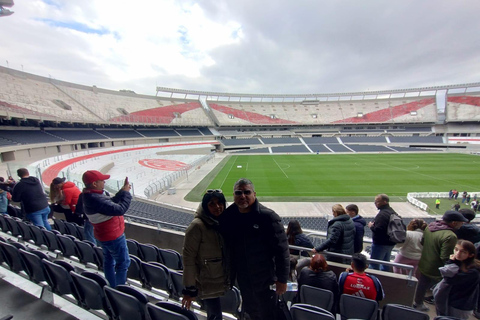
(384, 197)
(22, 172)
(243, 182)
(359, 261)
(352, 207)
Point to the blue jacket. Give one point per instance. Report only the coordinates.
(360, 224)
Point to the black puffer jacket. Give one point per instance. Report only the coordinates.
(340, 235)
(380, 226)
(30, 193)
(258, 246)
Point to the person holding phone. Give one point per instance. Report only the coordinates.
(106, 216)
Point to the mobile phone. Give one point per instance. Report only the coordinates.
(126, 181)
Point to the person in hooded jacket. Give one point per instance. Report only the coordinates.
(29, 192)
(360, 223)
(468, 231)
(65, 194)
(340, 234)
(205, 273)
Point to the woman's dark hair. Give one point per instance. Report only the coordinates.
(293, 229)
(470, 248)
(416, 224)
(293, 265)
(209, 196)
(318, 263)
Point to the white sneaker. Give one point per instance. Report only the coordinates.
(421, 307)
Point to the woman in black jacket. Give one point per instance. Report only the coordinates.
(340, 234)
(296, 237)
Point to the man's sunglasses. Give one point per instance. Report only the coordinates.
(240, 192)
(214, 190)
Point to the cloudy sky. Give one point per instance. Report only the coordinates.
(268, 46)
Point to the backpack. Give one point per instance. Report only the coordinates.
(396, 230)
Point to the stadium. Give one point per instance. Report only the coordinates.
(175, 145)
(304, 152)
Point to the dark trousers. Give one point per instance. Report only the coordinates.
(259, 305)
(424, 283)
(213, 308)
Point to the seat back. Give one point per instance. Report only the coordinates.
(353, 307)
(11, 256)
(134, 270)
(399, 312)
(317, 297)
(59, 224)
(32, 264)
(58, 277)
(177, 283)
(24, 230)
(171, 258)
(173, 307)
(3, 223)
(231, 301)
(85, 252)
(71, 229)
(156, 276)
(90, 291)
(148, 252)
(98, 257)
(67, 246)
(51, 239)
(132, 246)
(158, 313)
(302, 311)
(37, 235)
(12, 224)
(124, 306)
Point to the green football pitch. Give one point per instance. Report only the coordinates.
(343, 177)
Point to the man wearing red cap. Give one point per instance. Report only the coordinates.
(106, 216)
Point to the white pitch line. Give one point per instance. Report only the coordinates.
(280, 168)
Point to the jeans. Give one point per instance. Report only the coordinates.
(88, 232)
(116, 260)
(40, 218)
(213, 308)
(380, 252)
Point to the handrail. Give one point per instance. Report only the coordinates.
(347, 256)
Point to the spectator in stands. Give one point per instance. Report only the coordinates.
(360, 223)
(87, 225)
(381, 244)
(317, 275)
(204, 271)
(468, 231)
(258, 246)
(411, 250)
(439, 240)
(64, 198)
(3, 202)
(340, 234)
(296, 237)
(29, 192)
(456, 206)
(355, 281)
(6, 185)
(457, 294)
(106, 216)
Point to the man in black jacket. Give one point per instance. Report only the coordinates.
(381, 246)
(258, 248)
(29, 192)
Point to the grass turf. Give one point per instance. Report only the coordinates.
(342, 177)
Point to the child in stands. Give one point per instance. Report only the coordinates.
(357, 282)
(456, 294)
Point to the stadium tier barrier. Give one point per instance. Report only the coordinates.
(412, 197)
